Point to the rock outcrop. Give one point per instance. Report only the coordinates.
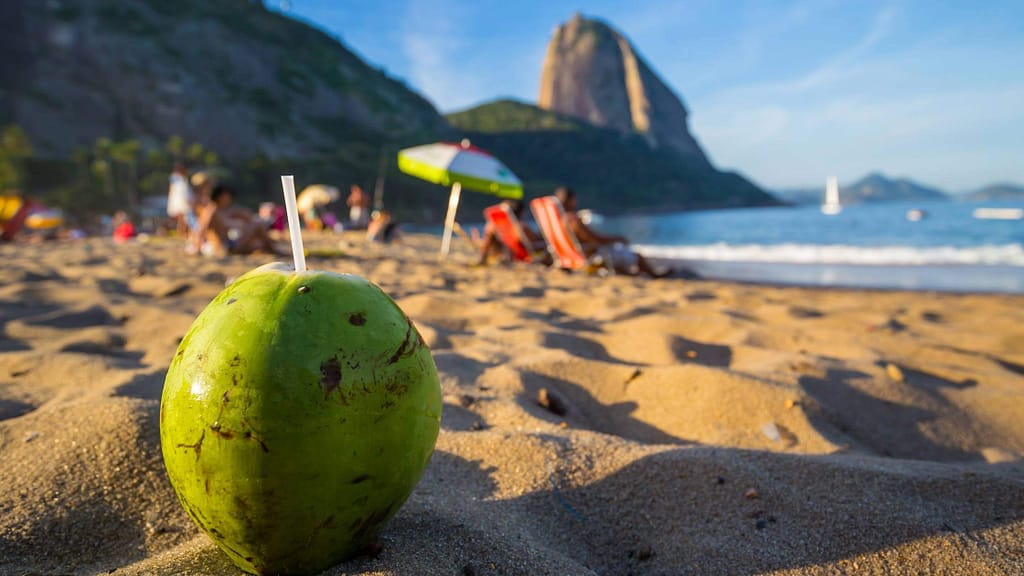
(593, 72)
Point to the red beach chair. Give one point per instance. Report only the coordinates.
(509, 230)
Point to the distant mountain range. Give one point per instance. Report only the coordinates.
(875, 187)
(1002, 191)
(268, 93)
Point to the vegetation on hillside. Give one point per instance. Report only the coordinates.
(116, 175)
(15, 151)
(613, 172)
(512, 116)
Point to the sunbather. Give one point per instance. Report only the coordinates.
(382, 228)
(228, 229)
(611, 248)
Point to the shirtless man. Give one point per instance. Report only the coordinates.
(611, 248)
(228, 229)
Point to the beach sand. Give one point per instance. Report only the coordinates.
(691, 427)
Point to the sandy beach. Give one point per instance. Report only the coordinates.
(687, 426)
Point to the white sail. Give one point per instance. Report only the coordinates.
(831, 205)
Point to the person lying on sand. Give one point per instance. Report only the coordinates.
(492, 247)
(228, 229)
(612, 249)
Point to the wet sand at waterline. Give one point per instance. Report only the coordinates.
(590, 425)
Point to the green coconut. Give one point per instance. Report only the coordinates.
(299, 412)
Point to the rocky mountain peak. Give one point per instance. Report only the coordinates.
(592, 72)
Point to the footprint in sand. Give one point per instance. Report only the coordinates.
(700, 295)
(92, 316)
(700, 353)
(14, 408)
(803, 312)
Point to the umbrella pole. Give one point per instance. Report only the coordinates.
(449, 221)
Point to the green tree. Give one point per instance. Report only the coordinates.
(175, 146)
(194, 153)
(211, 158)
(15, 149)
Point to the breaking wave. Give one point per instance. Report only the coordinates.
(991, 255)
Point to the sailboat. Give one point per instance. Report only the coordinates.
(831, 206)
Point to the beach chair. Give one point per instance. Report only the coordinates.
(509, 231)
(565, 248)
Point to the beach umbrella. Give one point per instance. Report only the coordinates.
(459, 165)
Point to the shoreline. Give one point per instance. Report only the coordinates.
(945, 278)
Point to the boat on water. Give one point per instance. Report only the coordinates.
(831, 206)
(999, 213)
(916, 214)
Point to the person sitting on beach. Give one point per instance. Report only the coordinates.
(491, 245)
(610, 248)
(274, 217)
(228, 229)
(312, 204)
(124, 230)
(382, 227)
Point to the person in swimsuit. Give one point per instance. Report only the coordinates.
(611, 249)
(228, 229)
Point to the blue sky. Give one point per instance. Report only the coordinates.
(785, 92)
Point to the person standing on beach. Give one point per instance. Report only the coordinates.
(358, 207)
(611, 248)
(181, 201)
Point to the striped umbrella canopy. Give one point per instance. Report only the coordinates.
(459, 165)
(447, 163)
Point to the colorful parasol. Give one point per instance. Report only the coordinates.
(459, 165)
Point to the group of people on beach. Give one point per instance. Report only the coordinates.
(611, 251)
(205, 213)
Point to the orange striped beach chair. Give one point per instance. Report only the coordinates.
(562, 242)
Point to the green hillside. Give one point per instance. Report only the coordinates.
(107, 94)
(612, 172)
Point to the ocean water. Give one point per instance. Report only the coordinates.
(870, 246)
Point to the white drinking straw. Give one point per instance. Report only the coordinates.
(294, 231)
